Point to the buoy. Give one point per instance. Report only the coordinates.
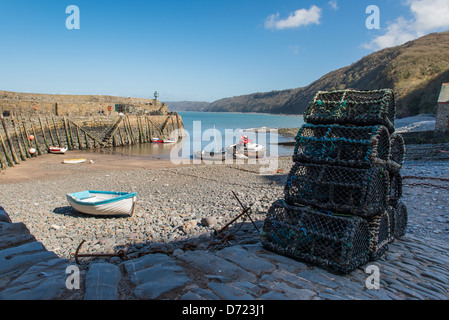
(32, 151)
(31, 137)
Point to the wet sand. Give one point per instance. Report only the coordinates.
(51, 165)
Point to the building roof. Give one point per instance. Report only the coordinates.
(444, 94)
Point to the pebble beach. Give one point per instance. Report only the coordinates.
(177, 204)
(174, 203)
(173, 233)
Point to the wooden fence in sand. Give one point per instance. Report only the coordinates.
(22, 138)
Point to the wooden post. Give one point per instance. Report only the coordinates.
(26, 142)
(141, 137)
(8, 157)
(51, 133)
(121, 137)
(131, 131)
(155, 126)
(71, 134)
(57, 133)
(27, 136)
(67, 134)
(38, 148)
(43, 134)
(87, 141)
(3, 162)
(88, 134)
(80, 146)
(147, 126)
(8, 137)
(128, 137)
(22, 152)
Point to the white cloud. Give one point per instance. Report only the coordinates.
(333, 4)
(299, 18)
(428, 16)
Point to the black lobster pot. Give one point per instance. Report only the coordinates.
(337, 243)
(380, 235)
(353, 107)
(397, 152)
(343, 145)
(361, 192)
(399, 221)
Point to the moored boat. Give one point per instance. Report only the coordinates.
(57, 150)
(103, 203)
(74, 160)
(157, 140)
(247, 149)
(210, 155)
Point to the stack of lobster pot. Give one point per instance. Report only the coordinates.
(341, 206)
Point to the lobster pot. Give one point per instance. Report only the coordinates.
(302, 233)
(353, 107)
(395, 186)
(342, 145)
(361, 192)
(397, 151)
(380, 235)
(400, 219)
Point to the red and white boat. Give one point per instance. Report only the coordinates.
(157, 140)
(57, 150)
(160, 140)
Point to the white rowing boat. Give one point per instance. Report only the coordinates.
(103, 203)
(74, 160)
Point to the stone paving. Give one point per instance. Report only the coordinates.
(412, 268)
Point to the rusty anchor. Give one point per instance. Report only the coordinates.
(121, 254)
(246, 211)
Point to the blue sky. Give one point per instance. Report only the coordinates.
(196, 50)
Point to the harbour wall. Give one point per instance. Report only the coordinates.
(28, 136)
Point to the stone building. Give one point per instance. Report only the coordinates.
(442, 120)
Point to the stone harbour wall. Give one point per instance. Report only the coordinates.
(29, 104)
(23, 137)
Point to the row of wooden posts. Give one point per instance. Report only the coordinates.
(32, 140)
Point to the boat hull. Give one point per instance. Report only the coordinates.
(251, 152)
(210, 156)
(103, 203)
(71, 161)
(56, 150)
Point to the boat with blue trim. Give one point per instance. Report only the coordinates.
(103, 203)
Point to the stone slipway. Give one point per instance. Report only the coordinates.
(411, 269)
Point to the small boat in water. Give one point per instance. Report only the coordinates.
(57, 150)
(103, 203)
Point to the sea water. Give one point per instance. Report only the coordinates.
(216, 130)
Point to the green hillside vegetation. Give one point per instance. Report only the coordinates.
(187, 105)
(414, 70)
(268, 102)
